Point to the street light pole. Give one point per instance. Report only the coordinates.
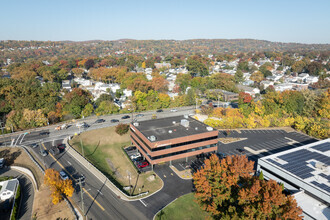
(82, 147)
(82, 196)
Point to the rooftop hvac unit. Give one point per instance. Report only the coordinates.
(136, 124)
(174, 122)
(170, 131)
(209, 128)
(152, 138)
(185, 123)
(196, 128)
(186, 116)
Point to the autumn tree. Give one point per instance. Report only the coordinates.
(257, 76)
(122, 129)
(227, 189)
(159, 84)
(58, 186)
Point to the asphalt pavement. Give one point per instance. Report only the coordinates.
(98, 201)
(27, 192)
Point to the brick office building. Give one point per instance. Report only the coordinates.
(172, 138)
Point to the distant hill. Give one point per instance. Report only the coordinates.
(18, 50)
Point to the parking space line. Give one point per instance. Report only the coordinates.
(145, 204)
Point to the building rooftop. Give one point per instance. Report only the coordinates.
(310, 164)
(171, 127)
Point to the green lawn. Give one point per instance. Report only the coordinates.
(183, 208)
(104, 149)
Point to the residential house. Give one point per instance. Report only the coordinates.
(312, 79)
(250, 90)
(283, 86)
(163, 64)
(266, 83)
(66, 84)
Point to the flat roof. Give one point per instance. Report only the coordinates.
(309, 163)
(171, 127)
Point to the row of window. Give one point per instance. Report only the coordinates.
(174, 153)
(175, 145)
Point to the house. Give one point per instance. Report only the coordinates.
(163, 64)
(8, 189)
(266, 83)
(311, 79)
(225, 95)
(83, 82)
(250, 90)
(66, 84)
(283, 86)
(303, 76)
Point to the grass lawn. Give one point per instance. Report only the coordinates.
(183, 208)
(104, 149)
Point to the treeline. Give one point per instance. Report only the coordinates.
(306, 111)
(21, 50)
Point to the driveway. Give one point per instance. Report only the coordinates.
(174, 187)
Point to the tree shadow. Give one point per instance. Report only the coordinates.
(9, 156)
(97, 146)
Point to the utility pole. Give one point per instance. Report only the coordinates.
(82, 195)
(82, 147)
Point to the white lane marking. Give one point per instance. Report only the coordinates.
(100, 192)
(145, 204)
(69, 163)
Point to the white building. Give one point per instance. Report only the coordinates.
(283, 86)
(266, 83)
(250, 90)
(83, 82)
(8, 189)
(304, 171)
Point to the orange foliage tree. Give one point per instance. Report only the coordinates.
(227, 190)
(58, 186)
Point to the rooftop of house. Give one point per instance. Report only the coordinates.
(171, 128)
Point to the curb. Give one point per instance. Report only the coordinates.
(28, 173)
(164, 208)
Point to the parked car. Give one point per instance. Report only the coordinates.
(54, 150)
(34, 145)
(63, 175)
(142, 164)
(114, 120)
(61, 127)
(159, 110)
(82, 125)
(130, 148)
(139, 115)
(2, 162)
(134, 156)
(100, 120)
(125, 117)
(173, 110)
(43, 152)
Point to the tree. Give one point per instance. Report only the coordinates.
(78, 72)
(58, 187)
(122, 129)
(243, 66)
(226, 189)
(88, 110)
(89, 64)
(106, 108)
(315, 68)
(239, 76)
(159, 84)
(257, 76)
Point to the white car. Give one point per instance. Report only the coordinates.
(134, 156)
(63, 175)
(173, 110)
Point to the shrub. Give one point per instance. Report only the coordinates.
(122, 129)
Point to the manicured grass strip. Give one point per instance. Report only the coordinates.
(183, 208)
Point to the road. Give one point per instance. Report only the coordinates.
(27, 190)
(99, 201)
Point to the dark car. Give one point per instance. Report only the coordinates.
(159, 110)
(43, 152)
(125, 117)
(240, 150)
(114, 120)
(100, 120)
(34, 145)
(61, 147)
(130, 148)
(142, 164)
(44, 133)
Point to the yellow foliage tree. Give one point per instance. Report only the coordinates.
(58, 186)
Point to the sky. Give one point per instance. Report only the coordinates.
(298, 21)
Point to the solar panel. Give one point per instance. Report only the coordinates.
(322, 147)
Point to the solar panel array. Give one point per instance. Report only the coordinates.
(322, 147)
(297, 165)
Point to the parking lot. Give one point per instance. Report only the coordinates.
(259, 143)
(137, 159)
